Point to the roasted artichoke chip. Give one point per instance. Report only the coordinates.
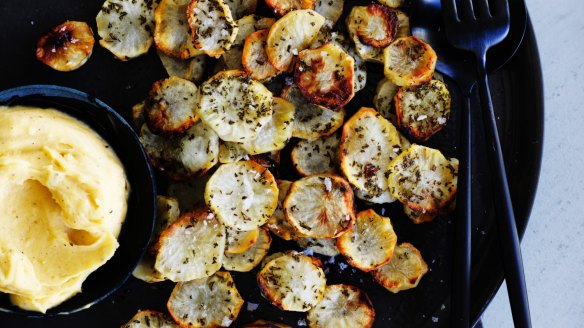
(151, 319)
(125, 27)
(282, 7)
(138, 117)
(366, 29)
(234, 105)
(250, 24)
(212, 26)
(316, 156)
(368, 144)
(370, 242)
(277, 132)
(392, 3)
(423, 110)
(209, 302)
(383, 99)
(146, 271)
(254, 57)
(243, 195)
(192, 247)
(293, 282)
(320, 206)
(273, 256)
(170, 106)
(378, 26)
(382, 198)
(409, 61)
(66, 47)
(172, 34)
(339, 39)
(343, 306)
(419, 216)
(323, 246)
(167, 213)
(232, 58)
(240, 8)
(231, 152)
(360, 75)
(291, 34)
(189, 69)
(403, 25)
(330, 9)
(278, 224)
(191, 154)
(325, 76)
(246, 261)
(423, 179)
(240, 241)
(404, 271)
(311, 121)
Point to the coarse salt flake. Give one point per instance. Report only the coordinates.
(308, 252)
(295, 52)
(226, 322)
(328, 185)
(422, 117)
(441, 120)
(434, 319)
(252, 306)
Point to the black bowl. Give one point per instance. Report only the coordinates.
(139, 222)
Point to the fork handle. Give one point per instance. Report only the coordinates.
(509, 240)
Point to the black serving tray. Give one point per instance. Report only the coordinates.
(518, 97)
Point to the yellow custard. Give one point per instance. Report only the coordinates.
(63, 199)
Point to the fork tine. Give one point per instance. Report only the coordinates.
(449, 10)
(467, 10)
(483, 8)
(501, 8)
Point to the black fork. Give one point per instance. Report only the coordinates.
(475, 26)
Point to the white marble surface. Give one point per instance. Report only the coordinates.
(553, 246)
